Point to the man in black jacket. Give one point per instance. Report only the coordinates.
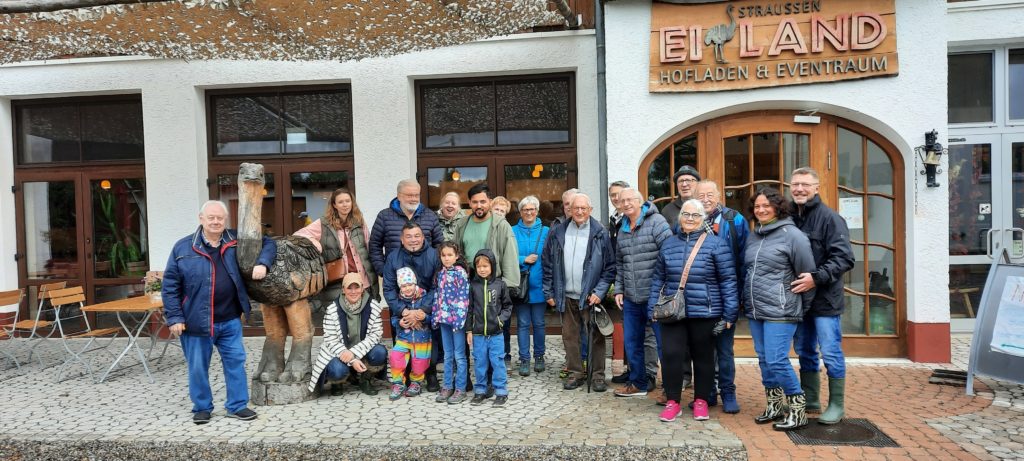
(821, 328)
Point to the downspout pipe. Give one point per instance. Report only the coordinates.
(602, 110)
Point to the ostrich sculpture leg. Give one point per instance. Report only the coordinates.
(300, 326)
(275, 323)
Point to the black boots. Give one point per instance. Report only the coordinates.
(773, 411)
(796, 414)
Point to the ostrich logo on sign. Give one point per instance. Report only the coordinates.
(720, 35)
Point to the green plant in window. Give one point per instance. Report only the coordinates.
(120, 246)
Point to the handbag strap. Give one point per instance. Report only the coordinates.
(537, 245)
(689, 261)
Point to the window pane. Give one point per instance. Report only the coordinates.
(457, 116)
(965, 285)
(1017, 164)
(853, 316)
(1017, 84)
(247, 124)
(441, 181)
(880, 220)
(854, 278)
(796, 151)
(318, 122)
(51, 232)
(970, 88)
(227, 192)
(311, 193)
(766, 156)
(853, 204)
(739, 200)
(659, 175)
(119, 228)
(546, 181)
(685, 152)
(970, 178)
(851, 159)
(882, 315)
(112, 131)
(879, 170)
(533, 112)
(48, 134)
(737, 160)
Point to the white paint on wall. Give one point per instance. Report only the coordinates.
(901, 108)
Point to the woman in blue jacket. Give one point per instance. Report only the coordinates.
(712, 297)
(530, 236)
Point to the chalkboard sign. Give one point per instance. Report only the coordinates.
(997, 348)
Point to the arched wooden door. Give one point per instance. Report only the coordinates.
(861, 176)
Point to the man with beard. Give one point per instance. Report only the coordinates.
(482, 230)
(386, 235)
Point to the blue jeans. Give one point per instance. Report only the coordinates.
(506, 333)
(634, 329)
(772, 341)
(455, 362)
(489, 350)
(198, 349)
(726, 360)
(824, 333)
(337, 371)
(530, 317)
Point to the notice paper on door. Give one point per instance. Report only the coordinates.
(1008, 332)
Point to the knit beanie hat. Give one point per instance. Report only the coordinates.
(686, 169)
(406, 276)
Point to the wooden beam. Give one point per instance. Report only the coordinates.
(41, 6)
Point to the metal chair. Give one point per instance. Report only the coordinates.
(67, 305)
(33, 330)
(8, 340)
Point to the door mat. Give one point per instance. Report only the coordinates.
(850, 432)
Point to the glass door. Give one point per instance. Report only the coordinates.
(975, 222)
(1013, 166)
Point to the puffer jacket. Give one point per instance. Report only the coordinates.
(636, 253)
(711, 290)
(833, 255)
(776, 253)
(598, 267)
(425, 263)
(490, 306)
(386, 234)
(190, 279)
(531, 240)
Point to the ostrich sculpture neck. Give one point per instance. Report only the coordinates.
(250, 207)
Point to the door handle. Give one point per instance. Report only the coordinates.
(988, 242)
(1016, 250)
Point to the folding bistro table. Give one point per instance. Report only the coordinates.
(145, 305)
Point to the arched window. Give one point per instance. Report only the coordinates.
(660, 188)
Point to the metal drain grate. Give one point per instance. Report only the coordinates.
(850, 432)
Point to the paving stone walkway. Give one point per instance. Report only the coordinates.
(129, 418)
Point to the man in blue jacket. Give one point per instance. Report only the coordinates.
(386, 234)
(579, 266)
(204, 298)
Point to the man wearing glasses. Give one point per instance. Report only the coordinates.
(821, 328)
(686, 183)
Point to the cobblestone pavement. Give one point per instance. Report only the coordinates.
(129, 418)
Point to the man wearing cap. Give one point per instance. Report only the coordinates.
(685, 180)
(352, 334)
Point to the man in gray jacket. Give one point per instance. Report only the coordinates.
(640, 237)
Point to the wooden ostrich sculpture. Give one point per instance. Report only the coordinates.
(297, 274)
(721, 34)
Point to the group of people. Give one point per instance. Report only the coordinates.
(452, 280)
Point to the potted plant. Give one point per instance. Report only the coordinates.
(152, 284)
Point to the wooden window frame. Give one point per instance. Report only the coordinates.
(211, 124)
(496, 148)
(77, 102)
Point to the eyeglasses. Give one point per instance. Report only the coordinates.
(687, 181)
(691, 215)
(803, 185)
(528, 210)
(705, 196)
(580, 208)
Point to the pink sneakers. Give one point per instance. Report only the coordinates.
(671, 411)
(700, 410)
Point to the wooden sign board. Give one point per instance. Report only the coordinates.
(746, 44)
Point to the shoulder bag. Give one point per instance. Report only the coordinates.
(671, 309)
(521, 295)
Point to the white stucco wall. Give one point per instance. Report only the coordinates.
(383, 105)
(986, 22)
(901, 108)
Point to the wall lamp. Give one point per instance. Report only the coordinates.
(931, 157)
